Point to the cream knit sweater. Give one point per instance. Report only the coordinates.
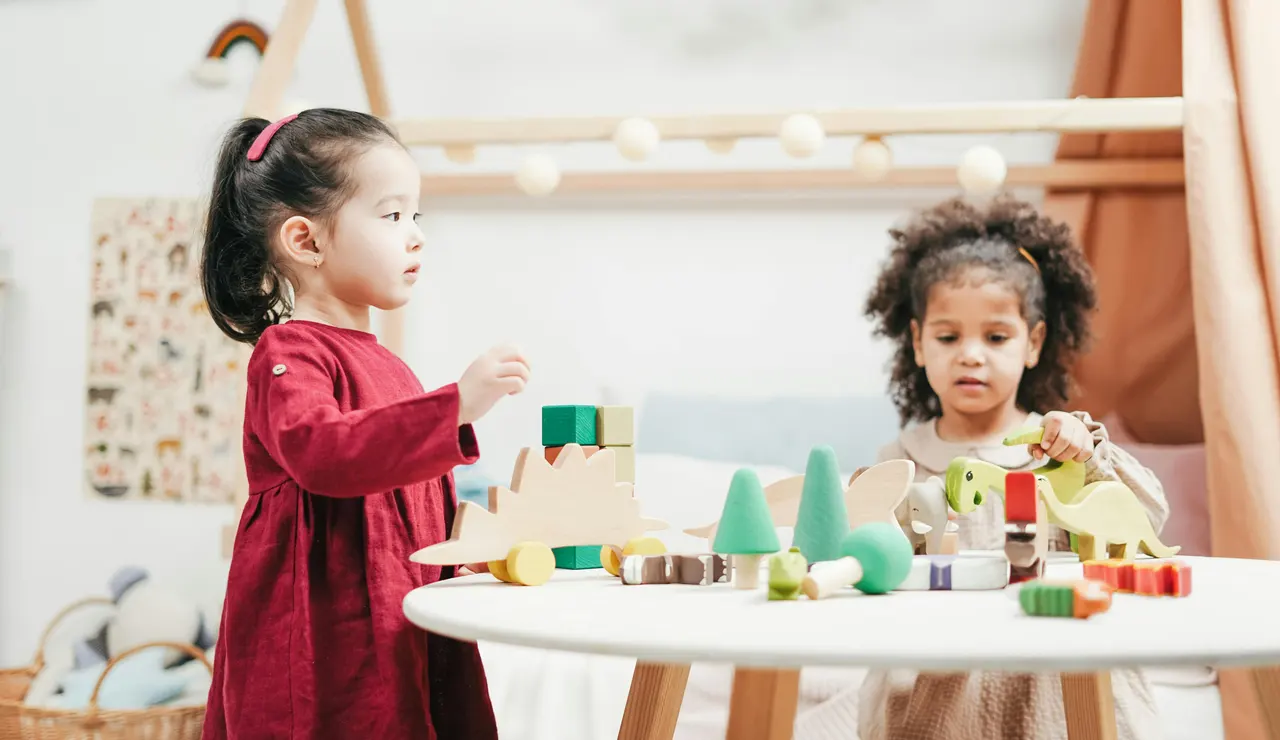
(904, 705)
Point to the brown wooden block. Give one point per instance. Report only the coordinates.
(647, 569)
(699, 570)
(551, 453)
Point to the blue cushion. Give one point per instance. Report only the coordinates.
(137, 682)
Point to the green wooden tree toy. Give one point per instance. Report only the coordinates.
(746, 532)
(822, 521)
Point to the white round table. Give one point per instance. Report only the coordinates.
(1228, 620)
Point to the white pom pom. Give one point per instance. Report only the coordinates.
(872, 159)
(460, 153)
(982, 170)
(722, 145)
(801, 135)
(636, 138)
(212, 72)
(538, 175)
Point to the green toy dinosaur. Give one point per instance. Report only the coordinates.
(786, 573)
(969, 480)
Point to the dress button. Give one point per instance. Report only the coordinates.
(278, 369)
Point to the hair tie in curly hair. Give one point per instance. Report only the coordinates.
(1022, 251)
(259, 146)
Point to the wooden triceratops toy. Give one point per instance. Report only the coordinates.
(578, 501)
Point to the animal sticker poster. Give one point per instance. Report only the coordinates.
(164, 404)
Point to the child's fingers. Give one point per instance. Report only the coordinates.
(509, 353)
(511, 384)
(514, 369)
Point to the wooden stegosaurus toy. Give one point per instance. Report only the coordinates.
(578, 501)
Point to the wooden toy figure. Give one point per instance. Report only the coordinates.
(877, 559)
(746, 531)
(1026, 541)
(1107, 519)
(786, 572)
(1080, 599)
(823, 520)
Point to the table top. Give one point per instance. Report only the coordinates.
(1229, 619)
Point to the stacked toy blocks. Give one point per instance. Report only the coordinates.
(593, 428)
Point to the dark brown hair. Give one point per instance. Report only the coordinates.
(947, 241)
(304, 171)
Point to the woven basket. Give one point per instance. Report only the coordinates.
(14, 682)
(18, 721)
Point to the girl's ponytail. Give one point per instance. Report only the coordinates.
(302, 167)
(242, 287)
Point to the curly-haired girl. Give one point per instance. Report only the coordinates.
(989, 306)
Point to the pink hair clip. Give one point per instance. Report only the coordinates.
(260, 144)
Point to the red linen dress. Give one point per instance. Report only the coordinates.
(350, 465)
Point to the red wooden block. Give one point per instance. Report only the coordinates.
(1020, 496)
(1162, 579)
(551, 453)
(1118, 574)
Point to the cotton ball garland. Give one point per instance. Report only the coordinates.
(538, 175)
(636, 138)
(982, 170)
(212, 72)
(872, 159)
(801, 135)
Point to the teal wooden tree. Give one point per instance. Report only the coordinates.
(746, 531)
(822, 521)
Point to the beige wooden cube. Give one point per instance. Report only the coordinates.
(626, 464)
(615, 426)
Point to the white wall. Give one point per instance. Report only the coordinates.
(726, 294)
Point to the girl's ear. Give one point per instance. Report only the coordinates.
(1035, 342)
(298, 234)
(916, 344)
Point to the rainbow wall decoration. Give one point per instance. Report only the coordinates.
(212, 70)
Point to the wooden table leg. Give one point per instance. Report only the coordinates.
(653, 704)
(1266, 681)
(763, 705)
(1090, 705)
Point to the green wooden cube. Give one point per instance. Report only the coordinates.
(564, 425)
(577, 557)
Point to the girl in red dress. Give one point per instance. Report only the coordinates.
(349, 460)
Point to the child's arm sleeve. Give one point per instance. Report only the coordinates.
(1111, 462)
(295, 414)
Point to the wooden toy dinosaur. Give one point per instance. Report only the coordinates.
(1108, 520)
(970, 481)
(576, 502)
(872, 497)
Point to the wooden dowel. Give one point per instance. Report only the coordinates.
(276, 67)
(1091, 174)
(1076, 115)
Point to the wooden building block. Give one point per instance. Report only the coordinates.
(1118, 574)
(646, 569)
(1162, 578)
(565, 425)
(700, 570)
(551, 453)
(625, 458)
(615, 426)
(1080, 599)
(577, 557)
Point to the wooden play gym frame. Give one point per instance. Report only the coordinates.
(759, 696)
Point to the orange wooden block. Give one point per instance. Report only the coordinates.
(551, 453)
(1162, 578)
(1118, 574)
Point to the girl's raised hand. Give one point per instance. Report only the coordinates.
(1065, 438)
(502, 371)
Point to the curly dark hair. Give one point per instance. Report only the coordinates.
(943, 243)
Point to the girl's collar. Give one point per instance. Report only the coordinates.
(922, 443)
